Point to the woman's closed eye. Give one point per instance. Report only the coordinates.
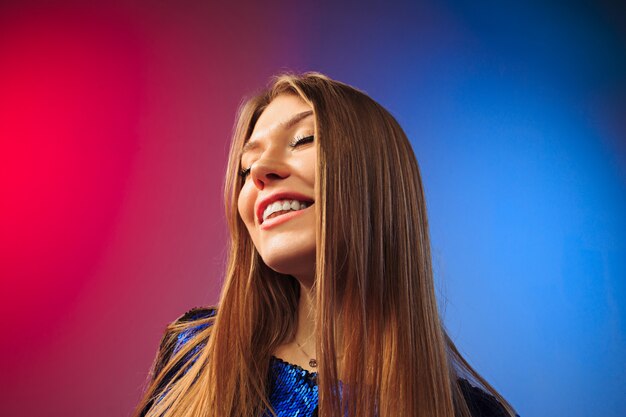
(301, 140)
(244, 172)
(298, 141)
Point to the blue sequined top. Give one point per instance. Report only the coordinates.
(293, 391)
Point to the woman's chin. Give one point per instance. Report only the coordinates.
(300, 266)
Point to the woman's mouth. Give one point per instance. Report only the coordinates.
(281, 207)
(274, 218)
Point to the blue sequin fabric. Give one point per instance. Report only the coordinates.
(293, 391)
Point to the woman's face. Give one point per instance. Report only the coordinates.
(275, 203)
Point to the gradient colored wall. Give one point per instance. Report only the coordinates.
(114, 127)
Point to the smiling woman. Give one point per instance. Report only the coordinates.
(276, 201)
(328, 307)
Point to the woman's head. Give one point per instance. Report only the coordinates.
(345, 157)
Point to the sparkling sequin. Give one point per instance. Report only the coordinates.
(293, 390)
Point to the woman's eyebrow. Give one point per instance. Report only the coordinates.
(293, 120)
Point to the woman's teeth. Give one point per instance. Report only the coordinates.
(284, 205)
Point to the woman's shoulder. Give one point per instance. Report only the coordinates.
(185, 327)
(180, 332)
(177, 335)
(481, 403)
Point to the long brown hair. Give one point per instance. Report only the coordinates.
(374, 282)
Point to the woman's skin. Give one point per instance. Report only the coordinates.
(280, 161)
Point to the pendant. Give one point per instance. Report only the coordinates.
(313, 363)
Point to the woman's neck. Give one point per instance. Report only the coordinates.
(305, 332)
(301, 349)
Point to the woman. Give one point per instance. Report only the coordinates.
(328, 305)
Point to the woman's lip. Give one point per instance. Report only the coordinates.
(275, 221)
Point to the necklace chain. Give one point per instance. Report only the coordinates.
(312, 360)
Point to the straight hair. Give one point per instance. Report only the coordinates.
(374, 290)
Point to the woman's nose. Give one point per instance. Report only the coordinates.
(265, 171)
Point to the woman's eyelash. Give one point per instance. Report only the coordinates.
(299, 140)
(244, 172)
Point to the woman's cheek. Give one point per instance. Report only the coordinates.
(245, 204)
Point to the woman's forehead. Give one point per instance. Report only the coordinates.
(282, 113)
